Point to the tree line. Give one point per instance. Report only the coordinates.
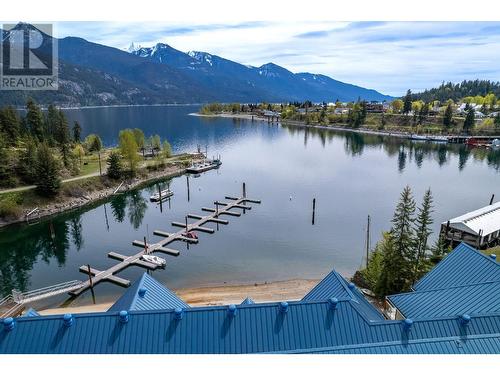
(40, 147)
(403, 255)
(457, 91)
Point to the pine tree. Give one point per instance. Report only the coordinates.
(34, 120)
(469, 120)
(5, 170)
(407, 102)
(77, 132)
(62, 130)
(423, 230)
(114, 166)
(448, 116)
(396, 271)
(10, 125)
(27, 164)
(51, 121)
(47, 172)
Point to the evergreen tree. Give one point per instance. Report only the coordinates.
(114, 166)
(10, 125)
(6, 178)
(407, 102)
(423, 230)
(77, 132)
(34, 120)
(27, 163)
(62, 130)
(396, 270)
(51, 122)
(47, 181)
(448, 116)
(469, 120)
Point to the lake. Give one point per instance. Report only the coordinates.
(350, 175)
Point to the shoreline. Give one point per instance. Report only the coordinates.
(93, 197)
(394, 134)
(276, 291)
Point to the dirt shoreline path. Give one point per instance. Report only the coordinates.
(277, 291)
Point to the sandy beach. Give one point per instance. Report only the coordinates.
(289, 290)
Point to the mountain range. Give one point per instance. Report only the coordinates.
(95, 74)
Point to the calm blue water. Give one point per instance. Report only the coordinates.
(350, 175)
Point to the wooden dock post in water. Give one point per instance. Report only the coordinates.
(187, 181)
(91, 282)
(314, 210)
(367, 241)
(491, 200)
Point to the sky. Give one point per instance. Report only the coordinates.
(390, 57)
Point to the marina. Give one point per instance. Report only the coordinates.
(277, 162)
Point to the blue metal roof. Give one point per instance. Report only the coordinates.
(463, 266)
(257, 328)
(335, 286)
(247, 301)
(454, 301)
(147, 294)
(487, 344)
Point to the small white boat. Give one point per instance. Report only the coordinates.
(154, 259)
(438, 138)
(416, 137)
(164, 195)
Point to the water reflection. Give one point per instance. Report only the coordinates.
(275, 163)
(406, 150)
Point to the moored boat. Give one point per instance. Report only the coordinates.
(154, 259)
(164, 194)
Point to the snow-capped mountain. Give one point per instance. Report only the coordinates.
(94, 74)
(269, 82)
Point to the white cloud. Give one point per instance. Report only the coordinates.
(388, 56)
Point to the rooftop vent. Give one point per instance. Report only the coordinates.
(284, 307)
(231, 309)
(493, 256)
(351, 286)
(178, 313)
(8, 324)
(68, 320)
(465, 319)
(142, 292)
(123, 316)
(333, 303)
(407, 324)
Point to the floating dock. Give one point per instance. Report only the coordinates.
(14, 304)
(221, 208)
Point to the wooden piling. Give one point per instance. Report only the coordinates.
(491, 200)
(90, 276)
(187, 181)
(314, 210)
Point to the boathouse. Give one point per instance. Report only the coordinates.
(479, 228)
(334, 317)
